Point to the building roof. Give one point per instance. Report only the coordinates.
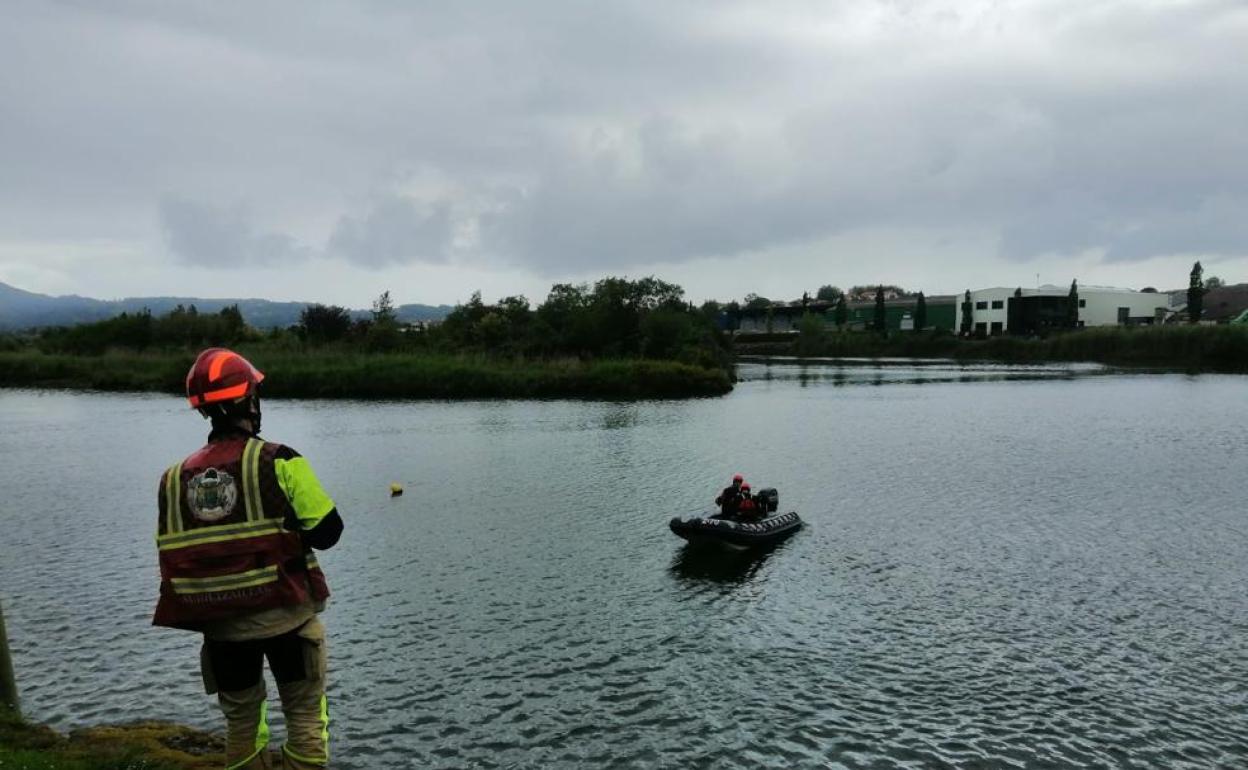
(1052, 289)
(827, 307)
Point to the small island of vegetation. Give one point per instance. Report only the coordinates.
(618, 339)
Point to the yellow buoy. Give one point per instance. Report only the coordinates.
(396, 490)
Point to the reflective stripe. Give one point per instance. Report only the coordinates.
(251, 479)
(220, 534)
(224, 394)
(310, 561)
(325, 726)
(262, 732)
(262, 738)
(245, 464)
(218, 363)
(255, 480)
(248, 579)
(173, 499)
(324, 759)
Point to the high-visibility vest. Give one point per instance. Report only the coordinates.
(223, 536)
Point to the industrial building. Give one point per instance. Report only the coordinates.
(1001, 309)
(993, 311)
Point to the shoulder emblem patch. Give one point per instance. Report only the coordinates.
(212, 495)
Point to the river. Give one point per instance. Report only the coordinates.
(1003, 567)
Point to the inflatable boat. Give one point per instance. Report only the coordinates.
(738, 535)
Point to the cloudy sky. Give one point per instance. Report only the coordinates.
(327, 151)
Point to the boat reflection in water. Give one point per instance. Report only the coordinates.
(720, 565)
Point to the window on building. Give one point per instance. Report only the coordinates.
(997, 304)
(1083, 303)
(996, 328)
(981, 305)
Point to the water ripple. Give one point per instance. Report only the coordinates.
(995, 573)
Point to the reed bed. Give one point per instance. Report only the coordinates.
(341, 374)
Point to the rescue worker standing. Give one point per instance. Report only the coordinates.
(238, 521)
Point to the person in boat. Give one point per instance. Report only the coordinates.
(238, 521)
(730, 498)
(748, 509)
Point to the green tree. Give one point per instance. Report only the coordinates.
(732, 315)
(319, 324)
(1195, 294)
(862, 293)
(828, 293)
(811, 331)
(664, 332)
(383, 310)
(1072, 305)
(492, 331)
(755, 302)
(383, 335)
(233, 327)
(920, 313)
(564, 313)
(518, 318)
(841, 314)
(1214, 282)
(968, 319)
(881, 316)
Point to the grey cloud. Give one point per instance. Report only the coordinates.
(583, 136)
(395, 230)
(207, 235)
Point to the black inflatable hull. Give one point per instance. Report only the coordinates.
(735, 534)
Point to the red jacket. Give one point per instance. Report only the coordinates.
(228, 537)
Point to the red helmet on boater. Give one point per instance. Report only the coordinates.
(220, 376)
(738, 478)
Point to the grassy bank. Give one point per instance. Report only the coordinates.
(1185, 348)
(145, 746)
(334, 374)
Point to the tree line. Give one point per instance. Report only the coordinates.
(612, 318)
(182, 327)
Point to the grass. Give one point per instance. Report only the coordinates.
(1188, 348)
(326, 374)
(140, 746)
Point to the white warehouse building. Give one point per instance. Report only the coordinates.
(1002, 309)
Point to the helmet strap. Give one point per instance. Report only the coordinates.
(233, 415)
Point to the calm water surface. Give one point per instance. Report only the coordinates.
(1042, 567)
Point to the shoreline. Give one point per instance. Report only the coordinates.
(151, 745)
(333, 375)
(1188, 349)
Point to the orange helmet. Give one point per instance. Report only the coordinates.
(220, 376)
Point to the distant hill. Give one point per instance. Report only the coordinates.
(24, 310)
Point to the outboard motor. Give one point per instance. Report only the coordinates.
(768, 499)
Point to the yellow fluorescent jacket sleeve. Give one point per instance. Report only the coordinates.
(304, 491)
